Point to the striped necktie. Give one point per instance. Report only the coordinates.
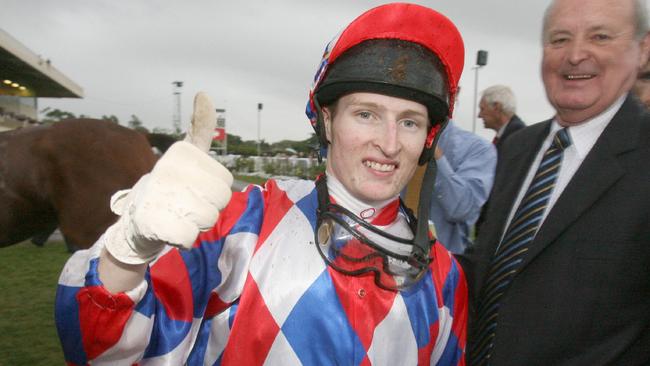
(513, 247)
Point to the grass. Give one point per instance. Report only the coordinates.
(250, 179)
(28, 278)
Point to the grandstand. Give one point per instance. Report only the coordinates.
(24, 77)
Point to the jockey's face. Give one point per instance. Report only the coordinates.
(375, 142)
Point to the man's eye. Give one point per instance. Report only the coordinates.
(559, 41)
(601, 37)
(409, 123)
(364, 115)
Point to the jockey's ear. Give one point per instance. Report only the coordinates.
(204, 121)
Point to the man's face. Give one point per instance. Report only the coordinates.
(490, 115)
(591, 56)
(642, 85)
(375, 143)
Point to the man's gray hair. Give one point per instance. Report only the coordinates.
(500, 94)
(640, 19)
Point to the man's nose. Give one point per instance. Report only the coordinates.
(578, 51)
(389, 139)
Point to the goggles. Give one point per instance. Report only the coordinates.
(354, 247)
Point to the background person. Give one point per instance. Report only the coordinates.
(561, 270)
(466, 165)
(296, 272)
(497, 108)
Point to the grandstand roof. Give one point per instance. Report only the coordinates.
(39, 78)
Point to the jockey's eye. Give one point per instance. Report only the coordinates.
(364, 114)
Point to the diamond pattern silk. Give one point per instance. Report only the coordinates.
(513, 247)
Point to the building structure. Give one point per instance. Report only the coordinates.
(24, 77)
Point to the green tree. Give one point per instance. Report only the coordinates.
(136, 124)
(56, 115)
(249, 147)
(304, 147)
(161, 130)
(112, 118)
(233, 140)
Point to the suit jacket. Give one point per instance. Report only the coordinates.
(582, 294)
(515, 124)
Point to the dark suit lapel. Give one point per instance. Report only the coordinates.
(509, 127)
(599, 171)
(505, 134)
(513, 126)
(517, 156)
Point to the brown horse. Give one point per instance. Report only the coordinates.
(63, 175)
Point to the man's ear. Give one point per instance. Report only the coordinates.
(327, 121)
(645, 51)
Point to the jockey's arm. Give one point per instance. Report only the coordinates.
(181, 197)
(117, 276)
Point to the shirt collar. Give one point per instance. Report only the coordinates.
(379, 213)
(584, 135)
(502, 129)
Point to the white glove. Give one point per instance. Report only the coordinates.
(181, 196)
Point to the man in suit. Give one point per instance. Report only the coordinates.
(497, 109)
(564, 278)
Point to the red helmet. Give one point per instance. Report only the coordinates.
(403, 50)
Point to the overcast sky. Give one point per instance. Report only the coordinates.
(126, 54)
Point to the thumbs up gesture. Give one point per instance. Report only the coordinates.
(181, 196)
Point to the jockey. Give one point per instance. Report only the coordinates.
(331, 271)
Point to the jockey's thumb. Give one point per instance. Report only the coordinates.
(204, 121)
(182, 196)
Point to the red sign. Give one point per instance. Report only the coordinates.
(219, 134)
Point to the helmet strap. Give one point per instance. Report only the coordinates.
(320, 130)
(422, 240)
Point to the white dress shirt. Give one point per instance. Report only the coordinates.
(583, 138)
